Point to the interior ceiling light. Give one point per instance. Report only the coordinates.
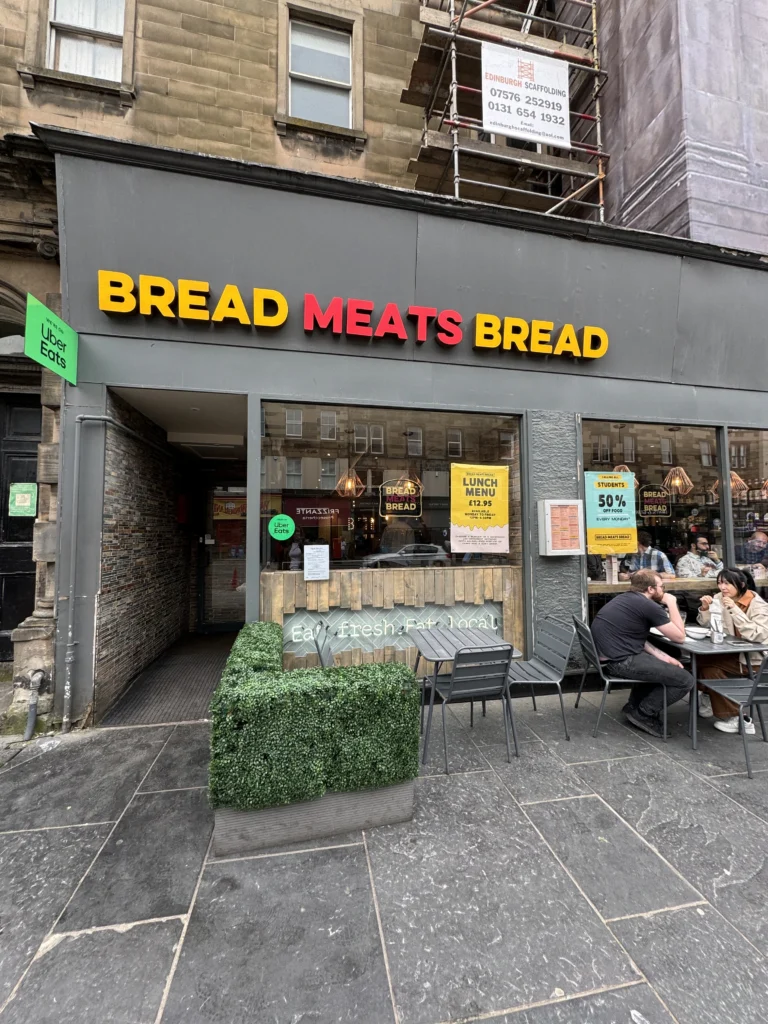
(737, 484)
(625, 469)
(677, 481)
(349, 485)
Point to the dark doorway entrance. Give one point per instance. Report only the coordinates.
(20, 422)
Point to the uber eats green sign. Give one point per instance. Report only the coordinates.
(49, 341)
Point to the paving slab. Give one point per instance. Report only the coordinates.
(489, 731)
(463, 754)
(702, 968)
(636, 1004)
(150, 866)
(88, 778)
(618, 871)
(710, 840)
(716, 752)
(283, 940)
(538, 774)
(38, 873)
(183, 761)
(752, 794)
(105, 977)
(458, 890)
(612, 741)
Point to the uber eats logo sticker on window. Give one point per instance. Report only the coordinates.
(358, 319)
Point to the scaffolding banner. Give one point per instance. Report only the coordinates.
(525, 96)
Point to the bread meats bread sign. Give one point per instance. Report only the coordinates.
(267, 310)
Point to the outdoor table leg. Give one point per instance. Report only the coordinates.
(694, 702)
(431, 706)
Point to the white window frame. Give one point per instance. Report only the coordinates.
(415, 439)
(507, 441)
(705, 451)
(361, 438)
(347, 17)
(738, 456)
(667, 454)
(300, 76)
(376, 439)
(628, 448)
(289, 475)
(36, 67)
(294, 413)
(327, 433)
(601, 449)
(333, 476)
(456, 441)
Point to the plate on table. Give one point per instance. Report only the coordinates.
(697, 632)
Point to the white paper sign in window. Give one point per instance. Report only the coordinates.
(525, 96)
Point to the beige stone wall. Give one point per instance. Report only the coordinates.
(206, 79)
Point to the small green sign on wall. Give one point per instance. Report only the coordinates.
(22, 500)
(49, 341)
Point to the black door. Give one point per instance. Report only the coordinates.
(20, 418)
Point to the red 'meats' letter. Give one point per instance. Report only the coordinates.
(391, 322)
(451, 333)
(314, 316)
(359, 318)
(422, 314)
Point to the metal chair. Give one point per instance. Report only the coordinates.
(478, 674)
(323, 645)
(592, 659)
(747, 693)
(552, 646)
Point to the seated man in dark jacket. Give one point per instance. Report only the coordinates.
(620, 630)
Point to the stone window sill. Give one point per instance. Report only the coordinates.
(32, 77)
(284, 122)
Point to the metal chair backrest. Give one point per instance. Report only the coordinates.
(552, 645)
(479, 670)
(759, 690)
(323, 645)
(584, 633)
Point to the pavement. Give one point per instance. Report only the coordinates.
(617, 880)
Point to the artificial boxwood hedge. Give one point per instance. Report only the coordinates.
(283, 737)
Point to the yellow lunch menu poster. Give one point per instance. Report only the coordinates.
(479, 509)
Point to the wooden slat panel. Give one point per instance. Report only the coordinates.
(378, 588)
(401, 657)
(440, 586)
(449, 589)
(418, 590)
(389, 654)
(334, 590)
(301, 591)
(469, 585)
(357, 656)
(345, 590)
(409, 587)
(399, 585)
(429, 586)
(479, 587)
(368, 657)
(277, 598)
(322, 596)
(312, 595)
(389, 590)
(356, 590)
(289, 661)
(378, 656)
(498, 584)
(367, 580)
(289, 592)
(508, 612)
(488, 583)
(459, 578)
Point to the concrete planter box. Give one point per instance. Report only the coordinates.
(237, 833)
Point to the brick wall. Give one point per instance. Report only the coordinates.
(144, 602)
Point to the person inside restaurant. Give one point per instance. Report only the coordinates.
(620, 630)
(755, 550)
(647, 557)
(744, 615)
(699, 563)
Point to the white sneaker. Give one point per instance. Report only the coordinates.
(705, 706)
(732, 725)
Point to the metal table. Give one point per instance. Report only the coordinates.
(701, 648)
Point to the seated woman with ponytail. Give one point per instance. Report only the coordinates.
(744, 614)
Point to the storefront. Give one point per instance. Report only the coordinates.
(374, 340)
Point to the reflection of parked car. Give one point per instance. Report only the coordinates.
(411, 554)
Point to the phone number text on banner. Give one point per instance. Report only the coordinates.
(525, 96)
(479, 509)
(610, 510)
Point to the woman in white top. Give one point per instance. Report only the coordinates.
(744, 614)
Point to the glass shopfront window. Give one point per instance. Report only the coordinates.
(677, 494)
(324, 466)
(748, 456)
